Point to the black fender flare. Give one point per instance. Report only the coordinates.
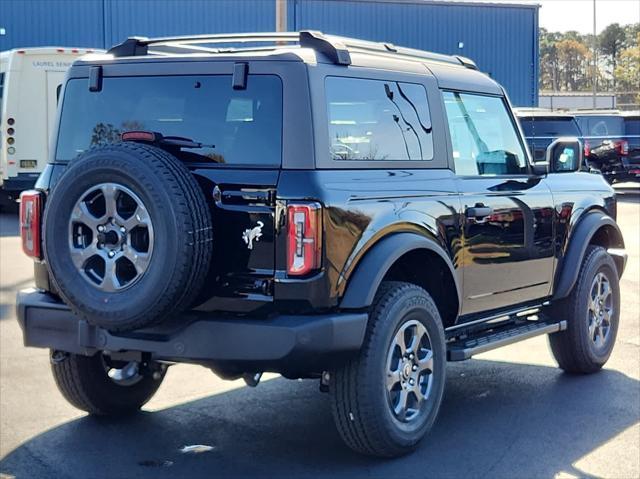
(370, 271)
(579, 240)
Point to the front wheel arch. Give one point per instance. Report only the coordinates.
(595, 228)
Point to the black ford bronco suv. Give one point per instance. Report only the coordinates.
(311, 205)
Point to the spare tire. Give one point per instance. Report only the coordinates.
(127, 236)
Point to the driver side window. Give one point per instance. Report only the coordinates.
(483, 137)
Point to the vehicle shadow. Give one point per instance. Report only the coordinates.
(497, 420)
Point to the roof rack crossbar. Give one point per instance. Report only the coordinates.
(336, 48)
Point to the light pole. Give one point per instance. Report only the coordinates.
(281, 15)
(595, 59)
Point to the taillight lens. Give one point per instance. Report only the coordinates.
(622, 147)
(304, 238)
(30, 212)
(587, 149)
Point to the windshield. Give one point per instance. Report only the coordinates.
(536, 127)
(234, 126)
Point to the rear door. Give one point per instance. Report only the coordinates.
(237, 163)
(508, 214)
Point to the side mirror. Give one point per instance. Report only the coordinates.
(564, 155)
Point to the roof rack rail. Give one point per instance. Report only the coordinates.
(366, 46)
(336, 48)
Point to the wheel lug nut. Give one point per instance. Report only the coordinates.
(411, 382)
(100, 228)
(415, 367)
(411, 356)
(123, 229)
(111, 254)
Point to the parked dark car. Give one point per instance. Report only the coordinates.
(606, 146)
(541, 128)
(322, 207)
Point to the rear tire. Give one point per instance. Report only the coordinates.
(592, 312)
(85, 384)
(387, 398)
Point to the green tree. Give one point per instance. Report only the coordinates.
(611, 41)
(549, 70)
(631, 32)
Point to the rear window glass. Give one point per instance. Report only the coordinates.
(632, 126)
(549, 127)
(378, 120)
(236, 127)
(601, 125)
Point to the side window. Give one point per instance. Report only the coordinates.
(483, 136)
(378, 120)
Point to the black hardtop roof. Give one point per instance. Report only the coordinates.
(307, 46)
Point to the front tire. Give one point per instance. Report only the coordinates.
(99, 386)
(387, 398)
(592, 311)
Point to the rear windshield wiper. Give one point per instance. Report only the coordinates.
(156, 138)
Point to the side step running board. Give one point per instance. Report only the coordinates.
(462, 349)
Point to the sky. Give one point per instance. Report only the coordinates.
(565, 15)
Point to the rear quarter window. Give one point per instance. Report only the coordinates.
(377, 120)
(236, 127)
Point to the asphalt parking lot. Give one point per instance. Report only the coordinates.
(509, 413)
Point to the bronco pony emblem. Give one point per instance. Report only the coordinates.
(252, 234)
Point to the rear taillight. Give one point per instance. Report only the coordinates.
(622, 147)
(30, 212)
(587, 149)
(304, 238)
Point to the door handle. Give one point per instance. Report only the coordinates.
(479, 211)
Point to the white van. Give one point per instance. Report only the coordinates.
(30, 83)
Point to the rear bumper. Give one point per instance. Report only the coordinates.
(287, 344)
